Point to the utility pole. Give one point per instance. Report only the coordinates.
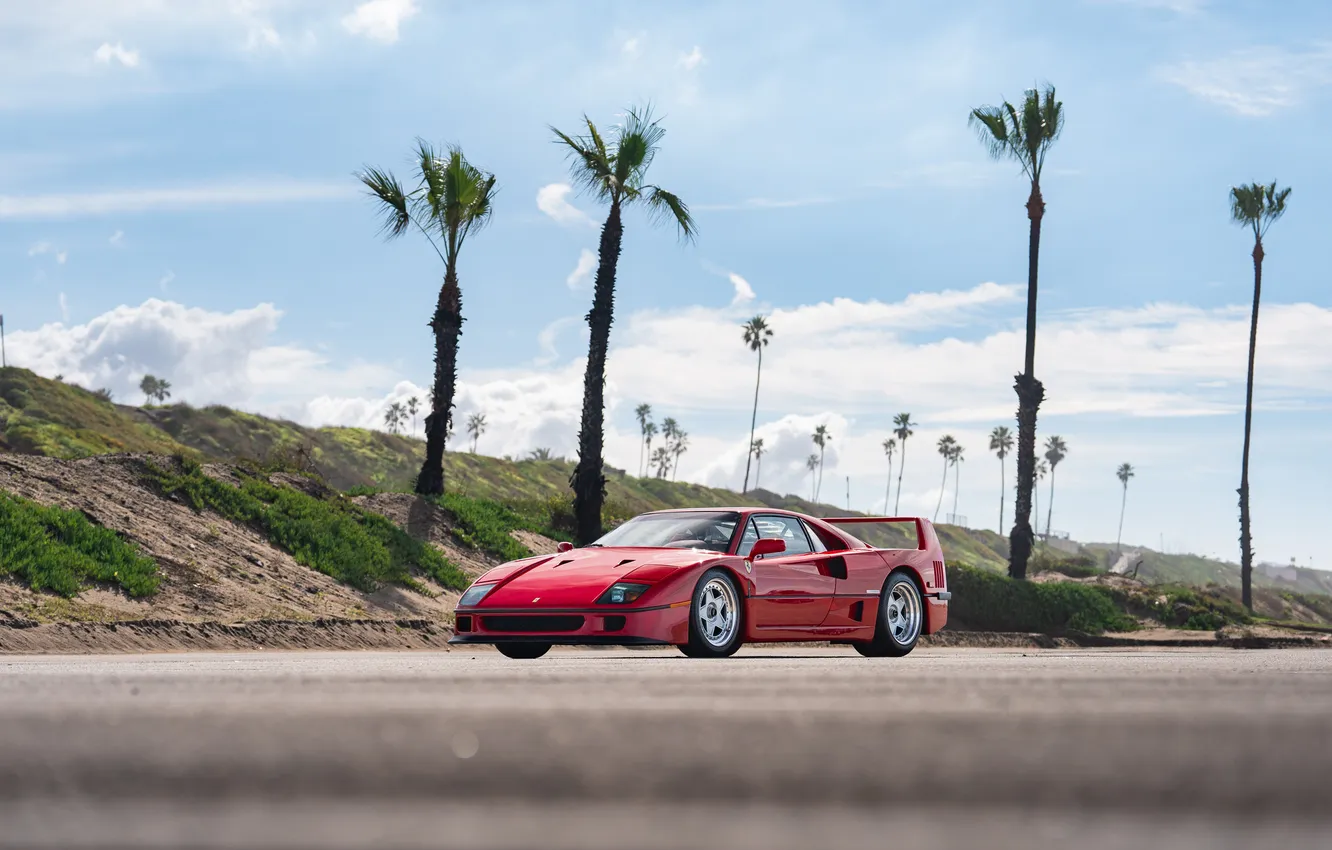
(848, 493)
(4, 363)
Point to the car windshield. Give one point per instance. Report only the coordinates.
(710, 530)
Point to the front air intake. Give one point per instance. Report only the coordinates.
(532, 622)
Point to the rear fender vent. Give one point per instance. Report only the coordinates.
(858, 611)
(837, 566)
(938, 574)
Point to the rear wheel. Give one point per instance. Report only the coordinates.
(716, 617)
(901, 615)
(523, 650)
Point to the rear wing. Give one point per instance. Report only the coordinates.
(925, 537)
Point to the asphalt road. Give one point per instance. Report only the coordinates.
(601, 749)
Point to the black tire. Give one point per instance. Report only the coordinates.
(716, 617)
(900, 622)
(523, 650)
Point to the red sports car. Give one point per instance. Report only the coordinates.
(707, 581)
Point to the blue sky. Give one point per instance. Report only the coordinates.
(176, 196)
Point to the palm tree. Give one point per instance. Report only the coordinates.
(903, 430)
(148, 386)
(1025, 134)
(661, 459)
(1124, 473)
(413, 407)
(1055, 451)
(955, 458)
(889, 446)
(1001, 443)
(617, 174)
(1254, 206)
(821, 438)
(679, 447)
(649, 431)
(1038, 473)
(757, 450)
(757, 336)
(393, 416)
(644, 415)
(812, 464)
(476, 426)
(945, 448)
(451, 200)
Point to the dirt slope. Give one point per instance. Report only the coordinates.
(213, 570)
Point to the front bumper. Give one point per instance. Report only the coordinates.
(601, 626)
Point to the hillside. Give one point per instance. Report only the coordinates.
(41, 416)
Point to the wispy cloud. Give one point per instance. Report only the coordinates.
(108, 53)
(553, 200)
(1179, 7)
(582, 273)
(80, 204)
(40, 248)
(379, 20)
(166, 279)
(744, 293)
(117, 239)
(64, 308)
(1256, 81)
(692, 59)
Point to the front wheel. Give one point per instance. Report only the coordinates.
(716, 617)
(901, 614)
(523, 650)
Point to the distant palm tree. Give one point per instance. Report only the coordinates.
(451, 200)
(1039, 472)
(812, 464)
(821, 438)
(889, 445)
(539, 454)
(903, 431)
(1124, 473)
(617, 174)
(1001, 443)
(757, 450)
(945, 448)
(661, 459)
(476, 426)
(154, 388)
(1055, 451)
(649, 431)
(644, 415)
(757, 336)
(393, 417)
(1025, 134)
(955, 459)
(679, 447)
(1254, 206)
(413, 407)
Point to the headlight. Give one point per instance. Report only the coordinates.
(474, 594)
(622, 593)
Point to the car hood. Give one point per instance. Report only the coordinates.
(578, 577)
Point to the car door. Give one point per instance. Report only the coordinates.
(790, 588)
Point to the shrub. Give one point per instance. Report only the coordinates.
(58, 550)
(1075, 566)
(990, 601)
(1197, 610)
(331, 535)
(484, 524)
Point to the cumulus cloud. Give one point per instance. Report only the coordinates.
(379, 20)
(553, 200)
(582, 273)
(108, 53)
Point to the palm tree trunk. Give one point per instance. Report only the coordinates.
(1123, 503)
(588, 480)
(1001, 497)
(641, 442)
(447, 326)
(888, 491)
(1246, 539)
(758, 470)
(1030, 393)
(1049, 509)
(957, 486)
(753, 419)
(942, 487)
(818, 488)
(897, 505)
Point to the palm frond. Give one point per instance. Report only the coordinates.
(385, 188)
(431, 199)
(591, 167)
(665, 206)
(636, 145)
(992, 129)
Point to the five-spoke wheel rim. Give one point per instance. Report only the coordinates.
(717, 612)
(903, 612)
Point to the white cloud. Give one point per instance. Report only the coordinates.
(64, 308)
(176, 198)
(744, 293)
(108, 53)
(379, 19)
(548, 336)
(631, 46)
(39, 248)
(553, 200)
(117, 239)
(691, 60)
(61, 256)
(1256, 81)
(166, 280)
(582, 273)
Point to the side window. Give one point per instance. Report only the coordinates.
(747, 540)
(814, 538)
(824, 542)
(788, 529)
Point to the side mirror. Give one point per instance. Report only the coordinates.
(564, 546)
(767, 546)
